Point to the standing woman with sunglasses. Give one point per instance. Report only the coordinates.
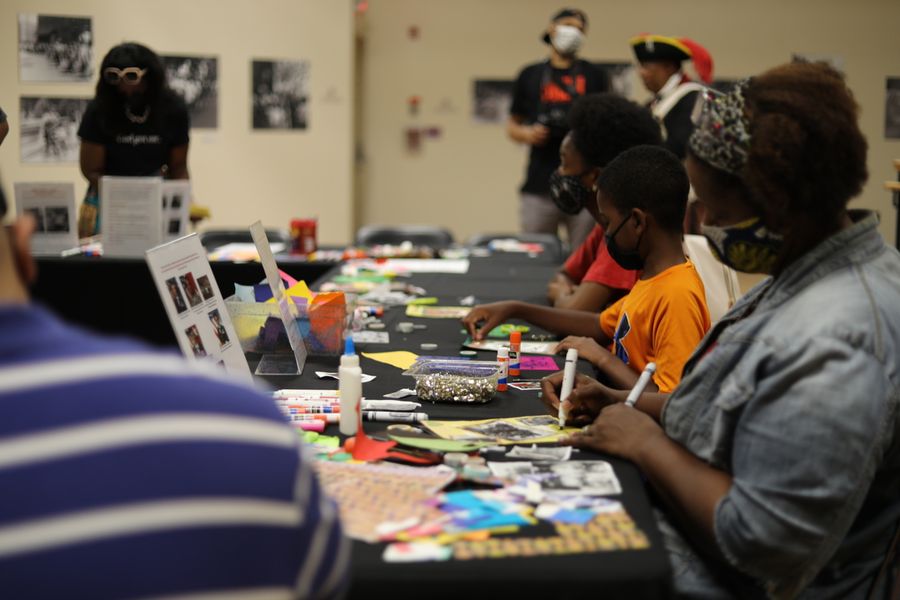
(135, 126)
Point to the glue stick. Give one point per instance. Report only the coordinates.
(350, 384)
(515, 345)
(503, 361)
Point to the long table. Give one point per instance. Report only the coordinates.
(615, 574)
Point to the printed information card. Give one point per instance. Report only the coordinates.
(53, 207)
(195, 305)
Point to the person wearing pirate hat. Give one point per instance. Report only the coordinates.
(661, 59)
(539, 117)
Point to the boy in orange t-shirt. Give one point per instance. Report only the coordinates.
(642, 197)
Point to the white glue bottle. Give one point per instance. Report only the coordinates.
(350, 386)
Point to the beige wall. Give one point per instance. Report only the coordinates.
(467, 180)
(240, 174)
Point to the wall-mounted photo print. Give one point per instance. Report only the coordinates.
(621, 77)
(493, 97)
(55, 48)
(48, 132)
(196, 80)
(892, 108)
(175, 293)
(280, 94)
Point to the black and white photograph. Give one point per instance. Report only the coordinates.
(196, 80)
(829, 59)
(49, 129)
(57, 219)
(493, 97)
(585, 477)
(723, 86)
(621, 77)
(505, 431)
(38, 216)
(892, 108)
(55, 48)
(280, 94)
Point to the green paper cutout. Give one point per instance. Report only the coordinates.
(503, 331)
(437, 444)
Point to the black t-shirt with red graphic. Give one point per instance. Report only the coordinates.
(545, 94)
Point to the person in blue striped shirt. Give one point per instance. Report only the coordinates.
(127, 473)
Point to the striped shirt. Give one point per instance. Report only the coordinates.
(126, 473)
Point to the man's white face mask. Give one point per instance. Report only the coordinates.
(567, 39)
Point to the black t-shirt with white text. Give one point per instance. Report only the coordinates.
(137, 149)
(542, 93)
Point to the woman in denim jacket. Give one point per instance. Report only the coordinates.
(777, 458)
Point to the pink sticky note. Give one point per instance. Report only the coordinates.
(531, 362)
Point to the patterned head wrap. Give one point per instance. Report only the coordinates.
(721, 136)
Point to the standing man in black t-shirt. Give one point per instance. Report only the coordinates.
(539, 117)
(135, 126)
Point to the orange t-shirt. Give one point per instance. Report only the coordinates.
(661, 320)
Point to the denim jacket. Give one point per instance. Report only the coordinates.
(797, 399)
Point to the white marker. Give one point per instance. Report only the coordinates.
(389, 405)
(642, 382)
(568, 383)
(394, 417)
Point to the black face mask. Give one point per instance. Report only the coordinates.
(568, 193)
(627, 259)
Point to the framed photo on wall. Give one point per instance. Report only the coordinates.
(280, 95)
(196, 80)
(55, 48)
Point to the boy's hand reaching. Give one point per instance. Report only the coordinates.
(588, 349)
(489, 315)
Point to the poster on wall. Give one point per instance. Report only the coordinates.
(621, 77)
(835, 61)
(892, 109)
(493, 97)
(280, 94)
(196, 80)
(55, 48)
(723, 86)
(48, 129)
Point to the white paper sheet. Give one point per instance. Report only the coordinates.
(410, 265)
(130, 215)
(53, 207)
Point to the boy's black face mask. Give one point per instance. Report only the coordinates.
(568, 193)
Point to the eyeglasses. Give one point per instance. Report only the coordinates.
(129, 75)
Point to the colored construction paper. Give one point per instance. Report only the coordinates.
(436, 444)
(424, 301)
(402, 359)
(538, 363)
(503, 331)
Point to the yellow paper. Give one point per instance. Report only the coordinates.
(402, 359)
(437, 312)
(298, 290)
(538, 429)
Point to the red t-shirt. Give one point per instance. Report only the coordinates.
(591, 262)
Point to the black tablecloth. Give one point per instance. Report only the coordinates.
(118, 296)
(617, 574)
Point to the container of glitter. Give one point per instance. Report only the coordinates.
(457, 381)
